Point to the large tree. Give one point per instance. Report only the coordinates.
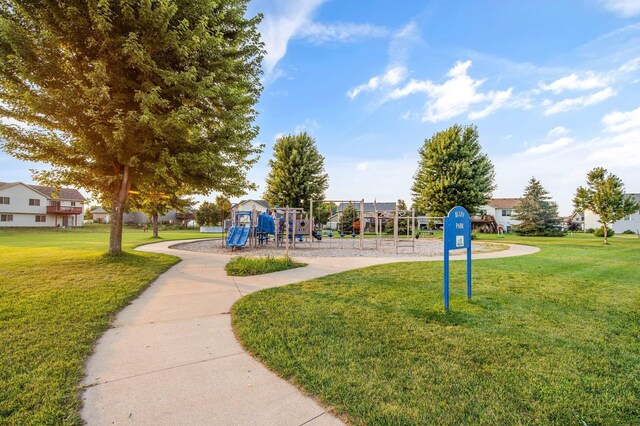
(605, 196)
(118, 95)
(210, 214)
(297, 172)
(452, 171)
(537, 214)
(155, 203)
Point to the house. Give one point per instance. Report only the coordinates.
(27, 205)
(574, 221)
(498, 212)
(631, 222)
(248, 205)
(100, 215)
(384, 210)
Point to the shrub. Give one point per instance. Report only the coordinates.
(600, 232)
(589, 230)
(629, 232)
(244, 266)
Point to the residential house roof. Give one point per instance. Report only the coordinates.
(263, 203)
(504, 203)
(99, 210)
(67, 194)
(368, 207)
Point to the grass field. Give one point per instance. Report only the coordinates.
(551, 338)
(58, 293)
(244, 266)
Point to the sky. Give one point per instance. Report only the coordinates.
(553, 87)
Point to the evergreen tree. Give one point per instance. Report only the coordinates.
(452, 171)
(536, 213)
(348, 216)
(402, 221)
(604, 195)
(121, 94)
(297, 172)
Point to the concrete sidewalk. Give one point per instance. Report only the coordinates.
(171, 357)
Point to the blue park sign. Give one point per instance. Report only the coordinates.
(457, 235)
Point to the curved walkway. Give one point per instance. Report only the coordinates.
(171, 356)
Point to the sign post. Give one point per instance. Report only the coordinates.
(457, 235)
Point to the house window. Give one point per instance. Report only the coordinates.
(627, 218)
(73, 203)
(507, 212)
(41, 218)
(54, 203)
(34, 201)
(6, 217)
(5, 200)
(483, 212)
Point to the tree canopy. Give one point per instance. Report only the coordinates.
(452, 171)
(297, 172)
(537, 214)
(210, 214)
(118, 95)
(348, 216)
(154, 203)
(604, 195)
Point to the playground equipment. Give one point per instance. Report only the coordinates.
(238, 234)
(286, 226)
(342, 234)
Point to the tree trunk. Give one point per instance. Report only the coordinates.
(120, 194)
(605, 232)
(154, 219)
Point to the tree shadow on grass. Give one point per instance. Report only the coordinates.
(125, 258)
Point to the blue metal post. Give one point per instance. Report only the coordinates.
(446, 279)
(469, 271)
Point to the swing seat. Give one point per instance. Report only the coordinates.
(342, 235)
(330, 234)
(354, 235)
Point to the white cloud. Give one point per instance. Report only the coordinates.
(286, 19)
(281, 24)
(455, 96)
(562, 165)
(343, 32)
(549, 147)
(630, 66)
(558, 131)
(308, 126)
(579, 102)
(396, 70)
(622, 121)
(499, 98)
(392, 77)
(626, 8)
(573, 81)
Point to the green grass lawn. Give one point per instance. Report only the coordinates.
(244, 266)
(550, 338)
(58, 293)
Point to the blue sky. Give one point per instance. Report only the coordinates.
(553, 86)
